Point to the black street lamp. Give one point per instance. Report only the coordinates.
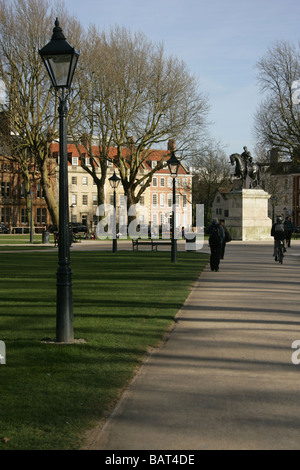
(30, 196)
(173, 164)
(273, 202)
(60, 59)
(114, 181)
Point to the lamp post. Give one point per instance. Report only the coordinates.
(60, 59)
(273, 201)
(30, 196)
(114, 182)
(173, 164)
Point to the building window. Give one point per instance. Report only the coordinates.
(38, 190)
(154, 199)
(84, 181)
(170, 182)
(5, 215)
(75, 161)
(170, 200)
(74, 180)
(142, 201)
(87, 161)
(154, 181)
(41, 216)
(95, 200)
(162, 200)
(184, 200)
(162, 182)
(84, 200)
(153, 164)
(74, 199)
(5, 189)
(23, 216)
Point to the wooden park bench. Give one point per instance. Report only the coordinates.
(153, 243)
(76, 238)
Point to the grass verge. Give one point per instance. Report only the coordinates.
(123, 303)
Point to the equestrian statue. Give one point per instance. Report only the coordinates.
(245, 168)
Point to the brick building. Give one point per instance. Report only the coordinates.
(13, 212)
(155, 205)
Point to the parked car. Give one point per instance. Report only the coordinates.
(4, 229)
(77, 227)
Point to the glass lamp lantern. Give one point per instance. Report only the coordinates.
(60, 59)
(173, 164)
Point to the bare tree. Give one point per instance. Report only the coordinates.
(30, 106)
(138, 99)
(211, 171)
(277, 121)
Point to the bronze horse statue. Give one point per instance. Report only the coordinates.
(243, 169)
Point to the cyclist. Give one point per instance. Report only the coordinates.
(278, 231)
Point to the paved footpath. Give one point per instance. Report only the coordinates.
(224, 379)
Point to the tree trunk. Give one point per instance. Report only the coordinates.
(49, 196)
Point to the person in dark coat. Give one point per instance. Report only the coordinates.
(227, 238)
(290, 228)
(216, 237)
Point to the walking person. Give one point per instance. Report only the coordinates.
(216, 237)
(227, 238)
(290, 228)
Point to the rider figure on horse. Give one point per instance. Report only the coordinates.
(247, 159)
(244, 166)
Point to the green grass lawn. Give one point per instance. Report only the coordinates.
(123, 303)
(21, 238)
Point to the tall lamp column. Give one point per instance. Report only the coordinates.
(60, 59)
(173, 164)
(114, 181)
(30, 196)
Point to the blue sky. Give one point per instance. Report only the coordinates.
(219, 40)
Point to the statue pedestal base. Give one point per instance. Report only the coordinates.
(248, 215)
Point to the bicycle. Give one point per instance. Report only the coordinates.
(279, 251)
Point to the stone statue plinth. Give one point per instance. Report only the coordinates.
(248, 214)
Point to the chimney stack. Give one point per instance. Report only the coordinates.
(171, 145)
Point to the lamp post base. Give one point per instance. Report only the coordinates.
(64, 306)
